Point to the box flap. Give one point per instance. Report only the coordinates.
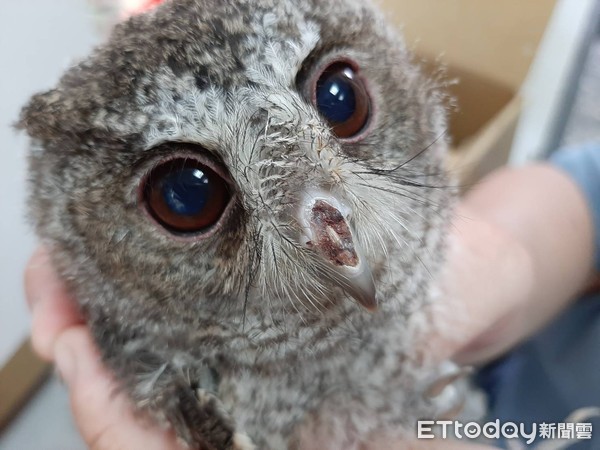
(494, 40)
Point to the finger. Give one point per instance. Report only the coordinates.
(486, 277)
(540, 211)
(104, 417)
(53, 309)
(492, 310)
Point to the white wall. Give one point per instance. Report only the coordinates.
(544, 89)
(38, 40)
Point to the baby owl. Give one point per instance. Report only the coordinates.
(247, 199)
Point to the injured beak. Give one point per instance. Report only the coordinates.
(328, 233)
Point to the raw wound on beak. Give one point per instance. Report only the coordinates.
(332, 235)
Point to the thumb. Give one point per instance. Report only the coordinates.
(104, 416)
(486, 280)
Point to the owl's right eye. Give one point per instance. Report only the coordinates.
(186, 196)
(342, 99)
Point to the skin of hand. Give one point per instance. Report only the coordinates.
(520, 247)
(103, 416)
(520, 251)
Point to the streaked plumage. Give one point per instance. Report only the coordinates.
(253, 331)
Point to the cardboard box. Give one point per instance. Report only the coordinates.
(19, 378)
(488, 46)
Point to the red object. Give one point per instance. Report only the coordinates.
(144, 6)
(151, 4)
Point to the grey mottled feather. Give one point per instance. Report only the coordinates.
(239, 334)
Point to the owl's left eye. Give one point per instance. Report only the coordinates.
(342, 99)
(186, 196)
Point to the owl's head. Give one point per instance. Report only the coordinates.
(255, 157)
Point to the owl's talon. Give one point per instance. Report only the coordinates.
(436, 388)
(242, 442)
(203, 396)
(444, 393)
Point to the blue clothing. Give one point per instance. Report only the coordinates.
(583, 165)
(557, 371)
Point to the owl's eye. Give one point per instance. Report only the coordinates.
(186, 196)
(342, 99)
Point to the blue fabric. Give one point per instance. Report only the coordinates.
(583, 166)
(550, 376)
(558, 370)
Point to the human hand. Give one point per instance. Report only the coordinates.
(520, 249)
(486, 281)
(104, 417)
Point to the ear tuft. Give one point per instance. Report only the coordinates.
(40, 117)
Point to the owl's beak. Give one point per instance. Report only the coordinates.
(326, 231)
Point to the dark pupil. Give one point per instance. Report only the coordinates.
(335, 97)
(186, 191)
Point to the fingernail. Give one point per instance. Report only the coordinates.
(64, 359)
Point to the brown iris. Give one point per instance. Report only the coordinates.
(186, 196)
(342, 99)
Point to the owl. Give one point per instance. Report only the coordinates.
(248, 199)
